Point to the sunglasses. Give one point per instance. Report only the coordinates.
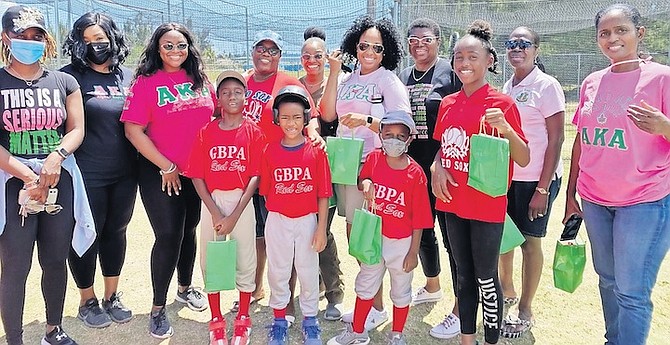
(307, 57)
(377, 48)
(521, 44)
(413, 40)
(170, 46)
(262, 50)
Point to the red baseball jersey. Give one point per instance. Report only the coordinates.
(227, 159)
(458, 119)
(294, 178)
(401, 196)
(260, 98)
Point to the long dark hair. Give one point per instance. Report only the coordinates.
(393, 51)
(75, 46)
(150, 60)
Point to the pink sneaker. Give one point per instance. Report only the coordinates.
(217, 332)
(241, 331)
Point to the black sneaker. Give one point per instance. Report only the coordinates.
(57, 337)
(92, 315)
(159, 325)
(116, 310)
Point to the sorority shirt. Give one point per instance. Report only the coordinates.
(260, 98)
(105, 155)
(172, 112)
(538, 96)
(459, 118)
(227, 159)
(33, 117)
(621, 165)
(294, 178)
(401, 196)
(354, 95)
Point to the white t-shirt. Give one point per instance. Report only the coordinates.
(538, 96)
(354, 94)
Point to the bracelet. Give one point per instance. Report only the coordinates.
(170, 170)
(31, 185)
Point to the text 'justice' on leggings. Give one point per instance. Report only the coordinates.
(476, 246)
(174, 220)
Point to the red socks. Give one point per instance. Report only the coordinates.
(280, 313)
(361, 311)
(215, 305)
(245, 300)
(399, 318)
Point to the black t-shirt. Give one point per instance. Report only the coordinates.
(105, 155)
(33, 117)
(423, 148)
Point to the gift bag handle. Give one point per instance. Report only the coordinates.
(371, 207)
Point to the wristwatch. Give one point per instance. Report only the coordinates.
(62, 152)
(369, 121)
(542, 191)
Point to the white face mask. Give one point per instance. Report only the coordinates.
(394, 147)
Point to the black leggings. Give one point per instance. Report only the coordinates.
(476, 247)
(173, 220)
(53, 234)
(112, 206)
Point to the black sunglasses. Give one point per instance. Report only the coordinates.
(272, 51)
(521, 44)
(377, 48)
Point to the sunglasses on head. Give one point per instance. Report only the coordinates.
(170, 46)
(307, 57)
(272, 51)
(413, 40)
(521, 44)
(377, 48)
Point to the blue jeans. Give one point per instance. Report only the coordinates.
(628, 245)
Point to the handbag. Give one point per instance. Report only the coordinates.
(511, 236)
(344, 157)
(489, 163)
(365, 241)
(569, 263)
(221, 265)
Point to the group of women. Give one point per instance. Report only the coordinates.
(622, 116)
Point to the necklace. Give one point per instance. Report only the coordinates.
(424, 73)
(29, 82)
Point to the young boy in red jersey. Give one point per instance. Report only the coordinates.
(295, 180)
(225, 168)
(397, 187)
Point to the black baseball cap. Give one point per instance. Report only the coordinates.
(19, 18)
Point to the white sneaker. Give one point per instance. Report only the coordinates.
(423, 296)
(448, 328)
(374, 319)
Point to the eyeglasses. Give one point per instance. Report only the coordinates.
(413, 40)
(521, 44)
(170, 46)
(377, 48)
(262, 50)
(307, 57)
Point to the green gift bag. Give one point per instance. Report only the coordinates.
(365, 242)
(569, 263)
(489, 163)
(511, 236)
(344, 156)
(221, 265)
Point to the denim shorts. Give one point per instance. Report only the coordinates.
(518, 197)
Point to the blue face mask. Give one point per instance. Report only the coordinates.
(27, 52)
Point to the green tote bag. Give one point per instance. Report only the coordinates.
(344, 156)
(489, 163)
(221, 265)
(569, 263)
(511, 236)
(365, 242)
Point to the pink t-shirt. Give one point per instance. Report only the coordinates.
(354, 95)
(172, 112)
(538, 96)
(621, 165)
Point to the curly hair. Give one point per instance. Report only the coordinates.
(393, 50)
(76, 48)
(481, 30)
(150, 60)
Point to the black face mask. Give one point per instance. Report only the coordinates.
(98, 52)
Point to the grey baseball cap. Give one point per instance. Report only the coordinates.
(399, 117)
(269, 35)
